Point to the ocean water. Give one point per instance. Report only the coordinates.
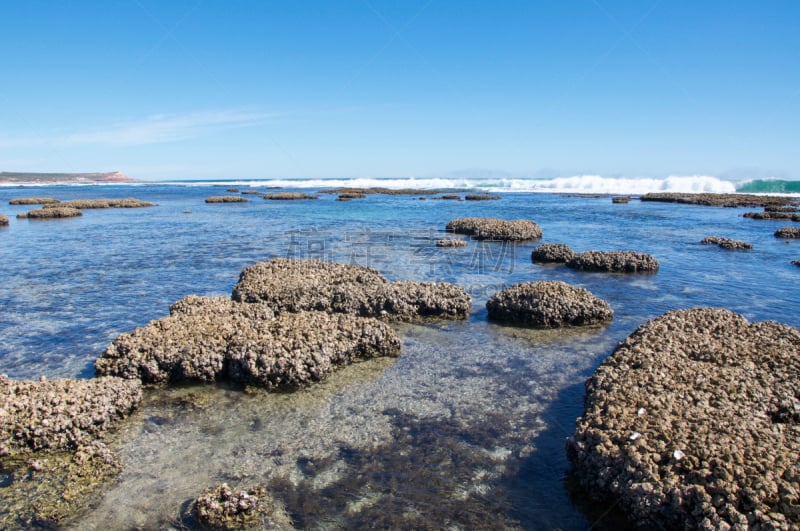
(465, 429)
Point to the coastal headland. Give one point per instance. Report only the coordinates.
(8, 177)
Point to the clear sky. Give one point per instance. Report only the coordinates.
(376, 88)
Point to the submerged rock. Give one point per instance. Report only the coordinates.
(726, 243)
(788, 232)
(496, 229)
(692, 423)
(614, 262)
(301, 285)
(223, 508)
(51, 213)
(61, 414)
(548, 304)
(552, 253)
(214, 338)
(451, 242)
(34, 201)
(226, 199)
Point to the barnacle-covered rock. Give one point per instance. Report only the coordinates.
(226, 199)
(496, 229)
(51, 213)
(552, 253)
(726, 243)
(548, 304)
(692, 423)
(225, 508)
(788, 232)
(614, 262)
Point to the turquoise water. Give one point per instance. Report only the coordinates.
(466, 428)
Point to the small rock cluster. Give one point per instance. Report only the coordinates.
(223, 508)
(692, 423)
(226, 199)
(208, 339)
(451, 242)
(726, 243)
(303, 285)
(552, 253)
(61, 414)
(614, 262)
(496, 229)
(788, 232)
(548, 304)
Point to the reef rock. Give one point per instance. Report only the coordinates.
(34, 201)
(692, 423)
(552, 253)
(720, 200)
(223, 508)
(51, 213)
(301, 285)
(214, 338)
(3, 220)
(621, 200)
(726, 243)
(614, 262)
(496, 229)
(226, 199)
(481, 197)
(451, 242)
(548, 304)
(61, 414)
(288, 196)
(773, 214)
(788, 232)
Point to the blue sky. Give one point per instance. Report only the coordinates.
(378, 88)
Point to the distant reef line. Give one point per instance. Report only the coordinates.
(7, 177)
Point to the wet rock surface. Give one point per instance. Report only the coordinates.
(694, 422)
(302, 285)
(552, 253)
(720, 200)
(496, 229)
(211, 339)
(548, 304)
(223, 508)
(451, 242)
(51, 213)
(726, 243)
(226, 199)
(788, 232)
(61, 414)
(614, 262)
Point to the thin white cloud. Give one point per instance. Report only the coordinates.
(158, 129)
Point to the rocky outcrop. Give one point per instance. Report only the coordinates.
(614, 262)
(449, 197)
(772, 215)
(288, 196)
(496, 229)
(720, 200)
(34, 201)
(726, 243)
(481, 197)
(223, 508)
(214, 338)
(347, 196)
(303, 285)
(3, 220)
(88, 204)
(51, 213)
(788, 232)
(451, 242)
(226, 199)
(621, 200)
(548, 304)
(692, 423)
(61, 415)
(552, 253)
(796, 262)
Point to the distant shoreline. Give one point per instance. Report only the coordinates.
(54, 178)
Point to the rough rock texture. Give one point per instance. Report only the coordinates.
(548, 304)
(61, 414)
(621, 200)
(3, 220)
(226, 199)
(300, 285)
(726, 243)
(788, 232)
(552, 252)
(496, 229)
(51, 213)
(214, 338)
(722, 200)
(481, 197)
(33, 201)
(451, 242)
(223, 508)
(775, 208)
(694, 423)
(772, 215)
(288, 196)
(614, 262)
